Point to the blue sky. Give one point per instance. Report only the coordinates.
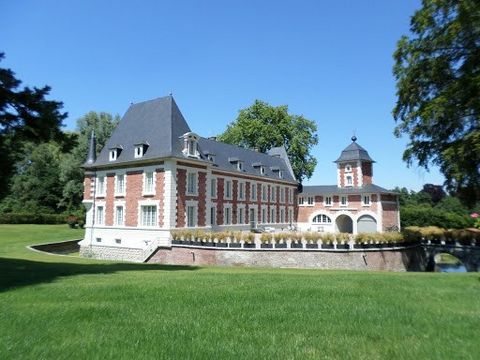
(328, 60)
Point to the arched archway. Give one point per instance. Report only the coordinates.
(366, 224)
(344, 224)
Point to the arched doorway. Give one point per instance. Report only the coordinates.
(344, 224)
(366, 224)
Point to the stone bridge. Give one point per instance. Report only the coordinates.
(468, 255)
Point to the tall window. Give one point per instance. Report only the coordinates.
(241, 191)
(366, 199)
(282, 215)
(212, 215)
(101, 185)
(290, 216)
(328, 200)
(120, 184)
(192, 183)
(228, 216)
(149, 215)
(290, 196)
(253, 192)
(344, 201)
(349, 180)
(264, 192)
(191, 218)
(192, 147)
(310, 200)
(213, 187)
(282, 195)
(272, 193)
(272, 216)
(264, 216)
(119, 215)
(228, 189)
(301, 200)
(148, 185)
(100, 215)
(241, 216)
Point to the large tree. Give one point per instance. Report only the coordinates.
(262, 126)
(437, 68)
(25, 115)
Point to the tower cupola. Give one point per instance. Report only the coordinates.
(354, 166)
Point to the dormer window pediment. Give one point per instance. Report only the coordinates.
(260, 166)
(140, 149)
(114, 152)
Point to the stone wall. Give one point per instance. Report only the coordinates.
(389, 260)
(112, 253)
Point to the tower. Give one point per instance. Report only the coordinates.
(354, 166)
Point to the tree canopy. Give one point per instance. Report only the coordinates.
(437, 69)
(25, 115)
(262, 126)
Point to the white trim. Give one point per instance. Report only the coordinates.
(150, 169)
(228, 206)
(118, 203)
(360, 174)
(241, 207)
(225, 188)
(363, 200)
(120, 173)
(170, 195)
(239, 182)
(102, 175)
(195, 186)
(325, 200)
(341, 202)
(104, 206)
(148, 202)
(194, 204)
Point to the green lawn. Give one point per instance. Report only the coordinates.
(59, 307)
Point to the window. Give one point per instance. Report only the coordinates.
(241, 191)
(138, 151)
(322, 219)
(149, 215)
(282, 195)
(272, 215)
(191, 218)
(264, 216)
(148, 183)
(280, 174)
(301, 200)
(212, 215)
(99, 240)
(349, 180)
(290, 195)
(101, 185)
(344, 201)
(228, 189)
(239, 166)
(264, 192)
(253, 192)
(310, 200)
(348, 168)
(262, 170)
(100, 215)
(113, 155)
(192, 148)
(213, 187)
(241, 216)
(328, 201)
(119, 215)
(290, 216)
(282, 215)
(191, 183)
(118, 241)
(120, 184)
(366, 200)
(272, 193)
(228, 217)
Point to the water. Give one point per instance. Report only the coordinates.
(450, 268)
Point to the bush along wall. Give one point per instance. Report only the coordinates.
(25, 218)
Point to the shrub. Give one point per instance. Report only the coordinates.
(327, 238)
(343, 236)
(393, 237)
(312, 236)
(412, 234)
(432, 233)
(28, 218)
(426, 216)
(266, 238)
(249, 238)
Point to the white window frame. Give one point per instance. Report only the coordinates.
(341, 200)
(225, 188)
(328, 203)
(117, 192)
(282, 215)
(301, 201)
(290, 195)
(101, 191)
(227, 209)
(142, 203)
(191, 204)
(312, 202)
(273, 194)
(113, 154)
(241, 220)
(273, 213)
(119, 205)
(264, 192)
(348, 168)
(347, 178)
(323, 217)
(213, 187)
(191, 189)
(152, 190)
(241, 194)
(262, 170)
(366, 196)
(253, 191)
(139, 151)
(282, 195)
(100, 220)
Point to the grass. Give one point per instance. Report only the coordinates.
(58, 307)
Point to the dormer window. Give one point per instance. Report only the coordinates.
(239, 166)
(190, 144)
(348, 168)
(349, 181)
(114, 153)
(262, 170)
(140, 150)
(280, 174)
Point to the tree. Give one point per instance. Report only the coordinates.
(437, 70)
(25, 115)
(71, 172)
(262, 126)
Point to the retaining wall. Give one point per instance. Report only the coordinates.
(64, 247)
(112, 253)
(408, 259)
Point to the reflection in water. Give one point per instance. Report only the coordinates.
(450, 268)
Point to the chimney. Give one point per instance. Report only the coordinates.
(92, 149)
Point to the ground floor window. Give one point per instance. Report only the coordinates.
(149, 215)
(119, 215)
(212, 215)
(241, 217)
(322, 219)
(227, 216)
(282, 215)
(191, 218)
(100, 215)
(264, 216)
(272, 215)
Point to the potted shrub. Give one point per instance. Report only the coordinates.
(280, 240)
(235, 238)
(266, 240)
(248, 240)
(176, 237)
(311, 240)
(342, 241)
(327, 240)
(220, 239)
(296, 240)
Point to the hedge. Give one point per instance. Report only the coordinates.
(24, 218)
(423, 216)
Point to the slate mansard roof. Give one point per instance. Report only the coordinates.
(354, 152)
(160, 126)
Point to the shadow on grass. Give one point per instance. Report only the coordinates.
(18, 272)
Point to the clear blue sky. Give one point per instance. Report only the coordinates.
(328, 60)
